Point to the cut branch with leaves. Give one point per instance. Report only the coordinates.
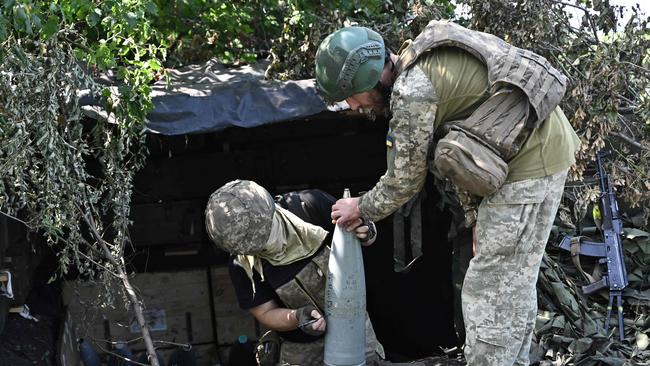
(49, 151)
(118, 263)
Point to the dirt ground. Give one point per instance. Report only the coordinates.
(25, 342)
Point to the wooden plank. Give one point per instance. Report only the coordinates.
(206, 355)
(67, 354)
(16, 309)
(284, 154)
(172, 294)
(312, 166)
(177, 293)
(231, 320)
(196, 176)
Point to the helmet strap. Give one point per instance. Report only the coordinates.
(386, 90)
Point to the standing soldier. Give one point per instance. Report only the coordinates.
(483, 117)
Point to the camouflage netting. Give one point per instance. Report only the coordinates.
(570, 325)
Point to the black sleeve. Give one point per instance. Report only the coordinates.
(319, 206)
(244, 290)
(311, 205)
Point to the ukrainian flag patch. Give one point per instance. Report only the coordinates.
(390, 140)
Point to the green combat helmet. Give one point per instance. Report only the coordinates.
(349, 61)
(239, 216)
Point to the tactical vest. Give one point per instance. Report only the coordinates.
(507, 65)
(524, 90)
(308, 286)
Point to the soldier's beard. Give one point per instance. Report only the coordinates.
(381, 108)
(374, 102)
(381, 105)
(372, 112)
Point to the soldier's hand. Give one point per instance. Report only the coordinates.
(345, 211)
(365, 230)
(310, 320)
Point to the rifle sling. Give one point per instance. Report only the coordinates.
(575, 257)
(411, 211)
(588, 248)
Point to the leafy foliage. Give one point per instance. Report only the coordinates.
(72, 181)
(46, 151)
(287, 31)
(609, 71)
(52, 49)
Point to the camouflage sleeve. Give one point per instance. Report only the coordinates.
(413, 104)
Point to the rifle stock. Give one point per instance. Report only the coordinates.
(593, 287)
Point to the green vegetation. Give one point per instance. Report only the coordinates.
(50, 50)
(73, 182)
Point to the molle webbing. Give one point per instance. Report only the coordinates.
(507, 65)
(308, 286)
(500, 121)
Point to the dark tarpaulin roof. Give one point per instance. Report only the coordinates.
(211, 97)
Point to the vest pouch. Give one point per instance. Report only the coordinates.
(469, 163)
(308, 286)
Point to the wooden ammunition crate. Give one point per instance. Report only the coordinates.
(196, 306)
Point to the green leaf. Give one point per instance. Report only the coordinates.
(92, 18)
(152, 8)
(36, 21)
(154, 65)
(3, 32)
(50, 27)
(131, 19)
(19, 13)
(28, 27)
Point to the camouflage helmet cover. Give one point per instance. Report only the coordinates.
(238, 217)
(349, 61)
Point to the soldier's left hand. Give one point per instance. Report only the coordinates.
(365, 230)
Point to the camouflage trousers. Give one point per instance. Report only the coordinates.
(311, 354)
(499, 298)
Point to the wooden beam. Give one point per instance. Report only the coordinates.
(17, 309)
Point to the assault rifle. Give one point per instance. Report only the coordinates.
(609, 252)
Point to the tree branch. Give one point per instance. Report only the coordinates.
(137, 306)
(591, 23)
(97, 264)
(15, 218)
(641, 68)
(629, 140)
(120, 356)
